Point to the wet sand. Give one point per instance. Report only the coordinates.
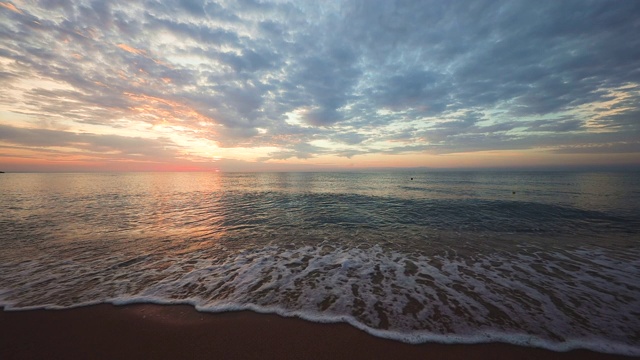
(180, 332)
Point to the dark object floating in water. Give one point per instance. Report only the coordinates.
(513, 192)
(411, 178)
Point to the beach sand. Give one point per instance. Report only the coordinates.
(180, 332)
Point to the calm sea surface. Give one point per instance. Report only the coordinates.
(548, 259)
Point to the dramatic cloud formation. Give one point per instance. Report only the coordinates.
(271, 85)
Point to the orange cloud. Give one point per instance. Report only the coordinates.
(168, 112)
(140, 52)
(10, 6)
(18, 163)
(132, 50)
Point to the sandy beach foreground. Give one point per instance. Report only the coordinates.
(172, 332)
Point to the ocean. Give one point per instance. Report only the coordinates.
(542, 259)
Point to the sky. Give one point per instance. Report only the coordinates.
(201, 85)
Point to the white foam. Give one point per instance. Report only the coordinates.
(555, 300)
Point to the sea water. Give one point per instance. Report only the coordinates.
(545, 259)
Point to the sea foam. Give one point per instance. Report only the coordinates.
(559, 300)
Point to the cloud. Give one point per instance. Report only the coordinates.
(609, 148)
(132, 50)
(360, 78)
(11, 7)
(301, 151)
(86, 142)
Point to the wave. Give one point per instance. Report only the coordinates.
(561, 300)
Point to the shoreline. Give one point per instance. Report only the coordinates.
(136, 331)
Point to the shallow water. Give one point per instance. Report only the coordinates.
(544, 259)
